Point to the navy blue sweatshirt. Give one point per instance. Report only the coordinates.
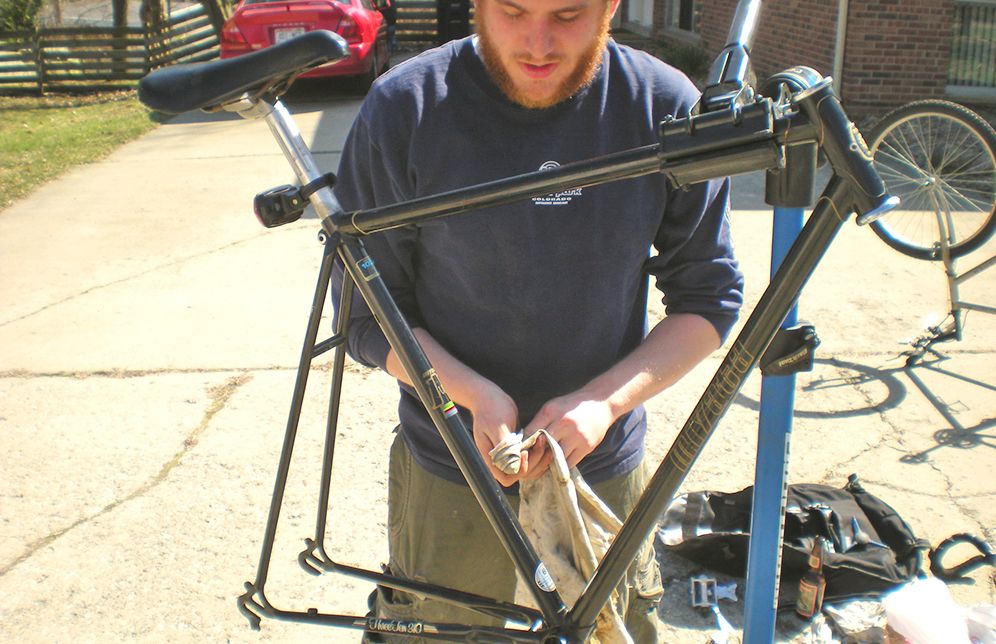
(542, 295)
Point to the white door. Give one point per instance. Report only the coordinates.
(641, 12)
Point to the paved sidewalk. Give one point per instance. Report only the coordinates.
(149, 333)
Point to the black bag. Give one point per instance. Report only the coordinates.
(870, 549)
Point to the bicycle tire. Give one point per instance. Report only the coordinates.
(930, 153)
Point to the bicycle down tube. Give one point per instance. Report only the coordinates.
(694, 149)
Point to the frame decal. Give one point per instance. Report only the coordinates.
(715, 400)
(368, 269)
(437, 396)
(395, 626)
(544, 579)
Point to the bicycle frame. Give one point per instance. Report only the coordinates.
(710, 145)
(736, 132)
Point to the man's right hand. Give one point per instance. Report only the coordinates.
(495, 413)
(495, 417)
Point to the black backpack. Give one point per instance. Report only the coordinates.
(870, 549)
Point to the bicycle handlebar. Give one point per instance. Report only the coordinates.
(847, 151)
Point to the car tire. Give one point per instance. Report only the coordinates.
(387, 64)
(367, 79)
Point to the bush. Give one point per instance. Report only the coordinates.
(19, 15)
(691, 59)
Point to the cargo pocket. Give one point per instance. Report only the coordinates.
(399, 489)
(648, 584)
(393, 613)
(642, 621)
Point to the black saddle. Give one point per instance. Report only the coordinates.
(192, 86)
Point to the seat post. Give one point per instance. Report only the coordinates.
(295, 150)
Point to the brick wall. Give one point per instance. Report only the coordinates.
(896, 50)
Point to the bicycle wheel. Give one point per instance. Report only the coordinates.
(939, 158)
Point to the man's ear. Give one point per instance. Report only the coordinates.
(613, 7)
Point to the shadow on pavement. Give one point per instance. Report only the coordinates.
(957, 435)
(855, 375)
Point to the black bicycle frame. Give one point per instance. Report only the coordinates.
(735, 132)
(693, 149)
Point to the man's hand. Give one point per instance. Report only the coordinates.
(577, 421)
(495, 413)
(495, 417)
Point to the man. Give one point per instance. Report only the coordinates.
(532, 314)
(390, 13)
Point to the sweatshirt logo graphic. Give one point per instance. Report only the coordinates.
(559, 198)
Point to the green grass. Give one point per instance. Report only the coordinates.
(42, 137)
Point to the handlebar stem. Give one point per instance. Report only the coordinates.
(726, 84)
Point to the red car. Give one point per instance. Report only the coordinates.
(256, 24)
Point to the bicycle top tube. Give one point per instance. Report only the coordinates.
(182, 88)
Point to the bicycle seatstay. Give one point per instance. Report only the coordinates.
(182, 88)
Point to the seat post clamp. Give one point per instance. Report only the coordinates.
(327, 180)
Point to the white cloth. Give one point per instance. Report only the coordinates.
(570, 527)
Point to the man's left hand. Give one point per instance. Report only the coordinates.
(578, 422)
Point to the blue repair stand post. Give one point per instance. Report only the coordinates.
(774, 428)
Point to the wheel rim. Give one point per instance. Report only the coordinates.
(934, 161)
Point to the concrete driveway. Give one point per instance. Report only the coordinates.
(149, 333)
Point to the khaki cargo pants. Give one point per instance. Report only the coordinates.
(438, 532)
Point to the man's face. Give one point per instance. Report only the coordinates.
(541, 52)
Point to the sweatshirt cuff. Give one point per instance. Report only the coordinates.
(722, 322)
(373, 347)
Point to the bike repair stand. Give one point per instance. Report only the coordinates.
(791, 351)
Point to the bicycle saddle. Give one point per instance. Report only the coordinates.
(192, 86)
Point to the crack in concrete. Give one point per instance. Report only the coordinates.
(900, 356)
(219, 396)
(349, 367)
(919, 492)
(128, 278)
(255, 155)
(955, 499)
(948, 495)
(897, 435)
(870, 401)
(137, 373)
